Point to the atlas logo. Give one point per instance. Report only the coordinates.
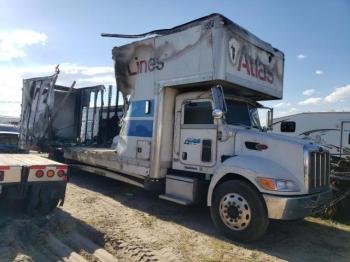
(144, 66)
(249, 64)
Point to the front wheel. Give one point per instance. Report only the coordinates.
(238, 211)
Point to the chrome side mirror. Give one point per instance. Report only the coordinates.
(217, 114)
(217, 93)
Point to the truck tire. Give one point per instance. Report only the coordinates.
(46, 206)
(239, 211)
(41, 202)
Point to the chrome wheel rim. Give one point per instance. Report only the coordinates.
(235, 211)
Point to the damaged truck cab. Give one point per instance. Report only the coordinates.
(191, 131)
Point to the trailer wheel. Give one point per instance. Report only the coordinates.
(46, 206)
(238, 211)
(41, 202)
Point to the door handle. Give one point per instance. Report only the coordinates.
(184, 155)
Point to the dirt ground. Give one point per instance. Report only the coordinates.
(105, 220)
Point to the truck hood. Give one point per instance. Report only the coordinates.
(284, 152)
(270, 136)
(290, 139)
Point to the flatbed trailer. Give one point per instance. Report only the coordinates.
(35, 183)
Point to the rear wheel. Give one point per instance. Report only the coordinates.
(238, 211)
(41, 201)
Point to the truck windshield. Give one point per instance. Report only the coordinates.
(241, 113)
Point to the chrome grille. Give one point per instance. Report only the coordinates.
(319, 170)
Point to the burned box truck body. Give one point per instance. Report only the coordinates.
(191, 132)
(55, 116)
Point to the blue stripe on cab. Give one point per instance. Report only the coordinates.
(141, 128)
(138, 108)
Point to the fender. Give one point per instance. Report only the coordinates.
(250, 167)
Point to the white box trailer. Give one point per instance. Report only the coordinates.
(31, 183)
(191, 132)
(329, 129)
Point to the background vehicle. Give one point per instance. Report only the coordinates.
(28, 182)
(31, 183)
(9, 120)
(331, 130)
(190, 129)
(9, 138)
(9, 142)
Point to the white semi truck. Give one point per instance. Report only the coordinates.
(190, 129)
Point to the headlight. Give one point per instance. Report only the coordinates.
(277, 184)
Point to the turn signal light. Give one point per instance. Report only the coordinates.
(50, 173)
(267, 183)
(281, 185)
(61, 173)
(39, 173)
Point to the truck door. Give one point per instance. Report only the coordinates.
(345, 138)
(198, 134)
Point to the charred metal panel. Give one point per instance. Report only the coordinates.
(250, 66)
(64, 118)
(175, 56)
(212, 48)
(37, 107)
(54, 115)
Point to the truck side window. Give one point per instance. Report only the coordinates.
(198, 113)
(288, 126)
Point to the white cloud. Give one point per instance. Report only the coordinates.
(338, 94)
(283, 109)
(309, 92)
(311, 101)
(12, 43)
(290, 111)
(319, 72)
(105, 79)
(301, 56)
(282, 104)
(11, 81)
(69, 68)
(98, 70)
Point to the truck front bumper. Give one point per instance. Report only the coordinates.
(295, 207)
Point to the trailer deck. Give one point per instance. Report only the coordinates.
(12, 165)
(26, 160)
(108, 159)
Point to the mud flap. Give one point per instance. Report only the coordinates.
(44, 197)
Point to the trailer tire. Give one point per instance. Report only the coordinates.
(46, 206)
(40, 202)
(239, 211)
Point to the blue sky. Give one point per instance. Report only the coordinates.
(35, 35)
